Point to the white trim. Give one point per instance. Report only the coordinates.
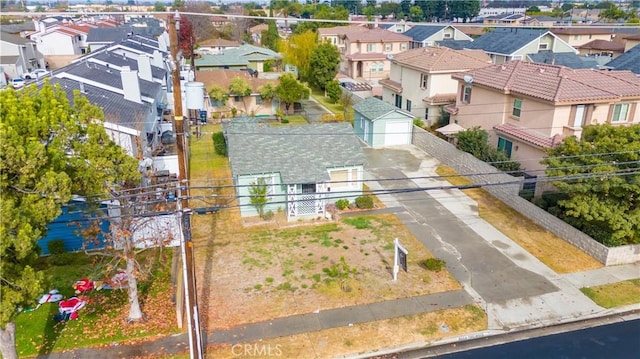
(114, 127)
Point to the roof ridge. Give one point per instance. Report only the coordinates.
(507, 84)
(604, 73)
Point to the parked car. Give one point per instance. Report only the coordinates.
(35, 74)
(16, 83)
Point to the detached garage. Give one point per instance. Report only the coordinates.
(380, 124)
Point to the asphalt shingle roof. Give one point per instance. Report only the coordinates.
(454, 44)
(556, 83)
(239, 56)
(505, 40)
(373, 108)
(117, 60)
(116, 109)
(301, 154)
(568, 59)
(630, 60)
(422, 32)
(13, 39)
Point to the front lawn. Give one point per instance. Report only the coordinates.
(614, 294)
(102, 320)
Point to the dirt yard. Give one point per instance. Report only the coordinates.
(259, 272)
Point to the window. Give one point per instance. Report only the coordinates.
(373, 67)
(398, 101)
(426, 113)
(543, 46)
(466, 95)
(237, 99)
(517, 107)
(403, 46)
(408, 105)
(578, 119)
(388, 47)
(620, 112)
(424, 80)
(308, 188)
(371, 47)
(259, 100)
(577, 37)
(381, 66)
(447, 35)
(505, 146)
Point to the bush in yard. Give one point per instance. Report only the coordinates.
(219, 143)
(364, 202)
(434, 264)
(56, 246)
(268, 215)
(418, 122)
(341, 204)
(333, 91)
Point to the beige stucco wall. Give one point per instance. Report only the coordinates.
(579, 40)
(486, 109)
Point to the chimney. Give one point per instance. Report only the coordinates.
(144, 67)
(130, 84)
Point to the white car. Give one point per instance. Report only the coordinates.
(35, 74)
(16, 83)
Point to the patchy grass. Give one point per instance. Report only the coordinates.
(551, 250)
(335, 108)
(614, 294)
(369, 337)
(102, 320)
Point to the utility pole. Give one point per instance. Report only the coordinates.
(193, 321)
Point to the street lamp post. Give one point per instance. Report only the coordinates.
(193, 323)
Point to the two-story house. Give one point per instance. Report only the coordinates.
(512, 43)
(365, 52)
(432, 35)
(19, 55)
(420, 79)
(528, 107)
(578, 36)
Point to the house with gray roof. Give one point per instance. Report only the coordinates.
(568, 59)
(19, 55)
(304, 167)
(244, 56)
(429, 35)
(380, 124)
(630, 60)
(512, 43)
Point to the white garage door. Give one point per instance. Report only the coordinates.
(397, 133)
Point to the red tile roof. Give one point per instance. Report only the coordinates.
(442, 59)
(440, 99)
(393, 85)
(556, 83)
(528, 135)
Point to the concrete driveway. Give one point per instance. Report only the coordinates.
(514, 287)
(314, 110)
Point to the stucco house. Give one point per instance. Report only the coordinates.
(253, 104)
(19, 55)
(365, 52)
(304, 167)
(577, 36)
(528, 107)
(420, 79)
(611, 49)
(380, 124)
(512, 43)
(431, 35)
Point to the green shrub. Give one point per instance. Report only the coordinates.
(434, 264)
(418, 122)
(285, 120)
(364, 202)
(56, 246)
(268, 215)
(219, 143)
(341, 204)
(333, 90)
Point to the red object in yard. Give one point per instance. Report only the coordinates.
(83, 285)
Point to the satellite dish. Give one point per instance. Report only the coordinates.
(468, 79)
(390, 57)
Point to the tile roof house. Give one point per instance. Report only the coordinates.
(244, 56)
(364, 52)
(308, 166)
(420, 79)
(19, 55)
(630, 61)
(527, 107)
(429, 35)
(253, 104)
(380, 124)
(512, 43)
(577, 36)
(216, 46)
